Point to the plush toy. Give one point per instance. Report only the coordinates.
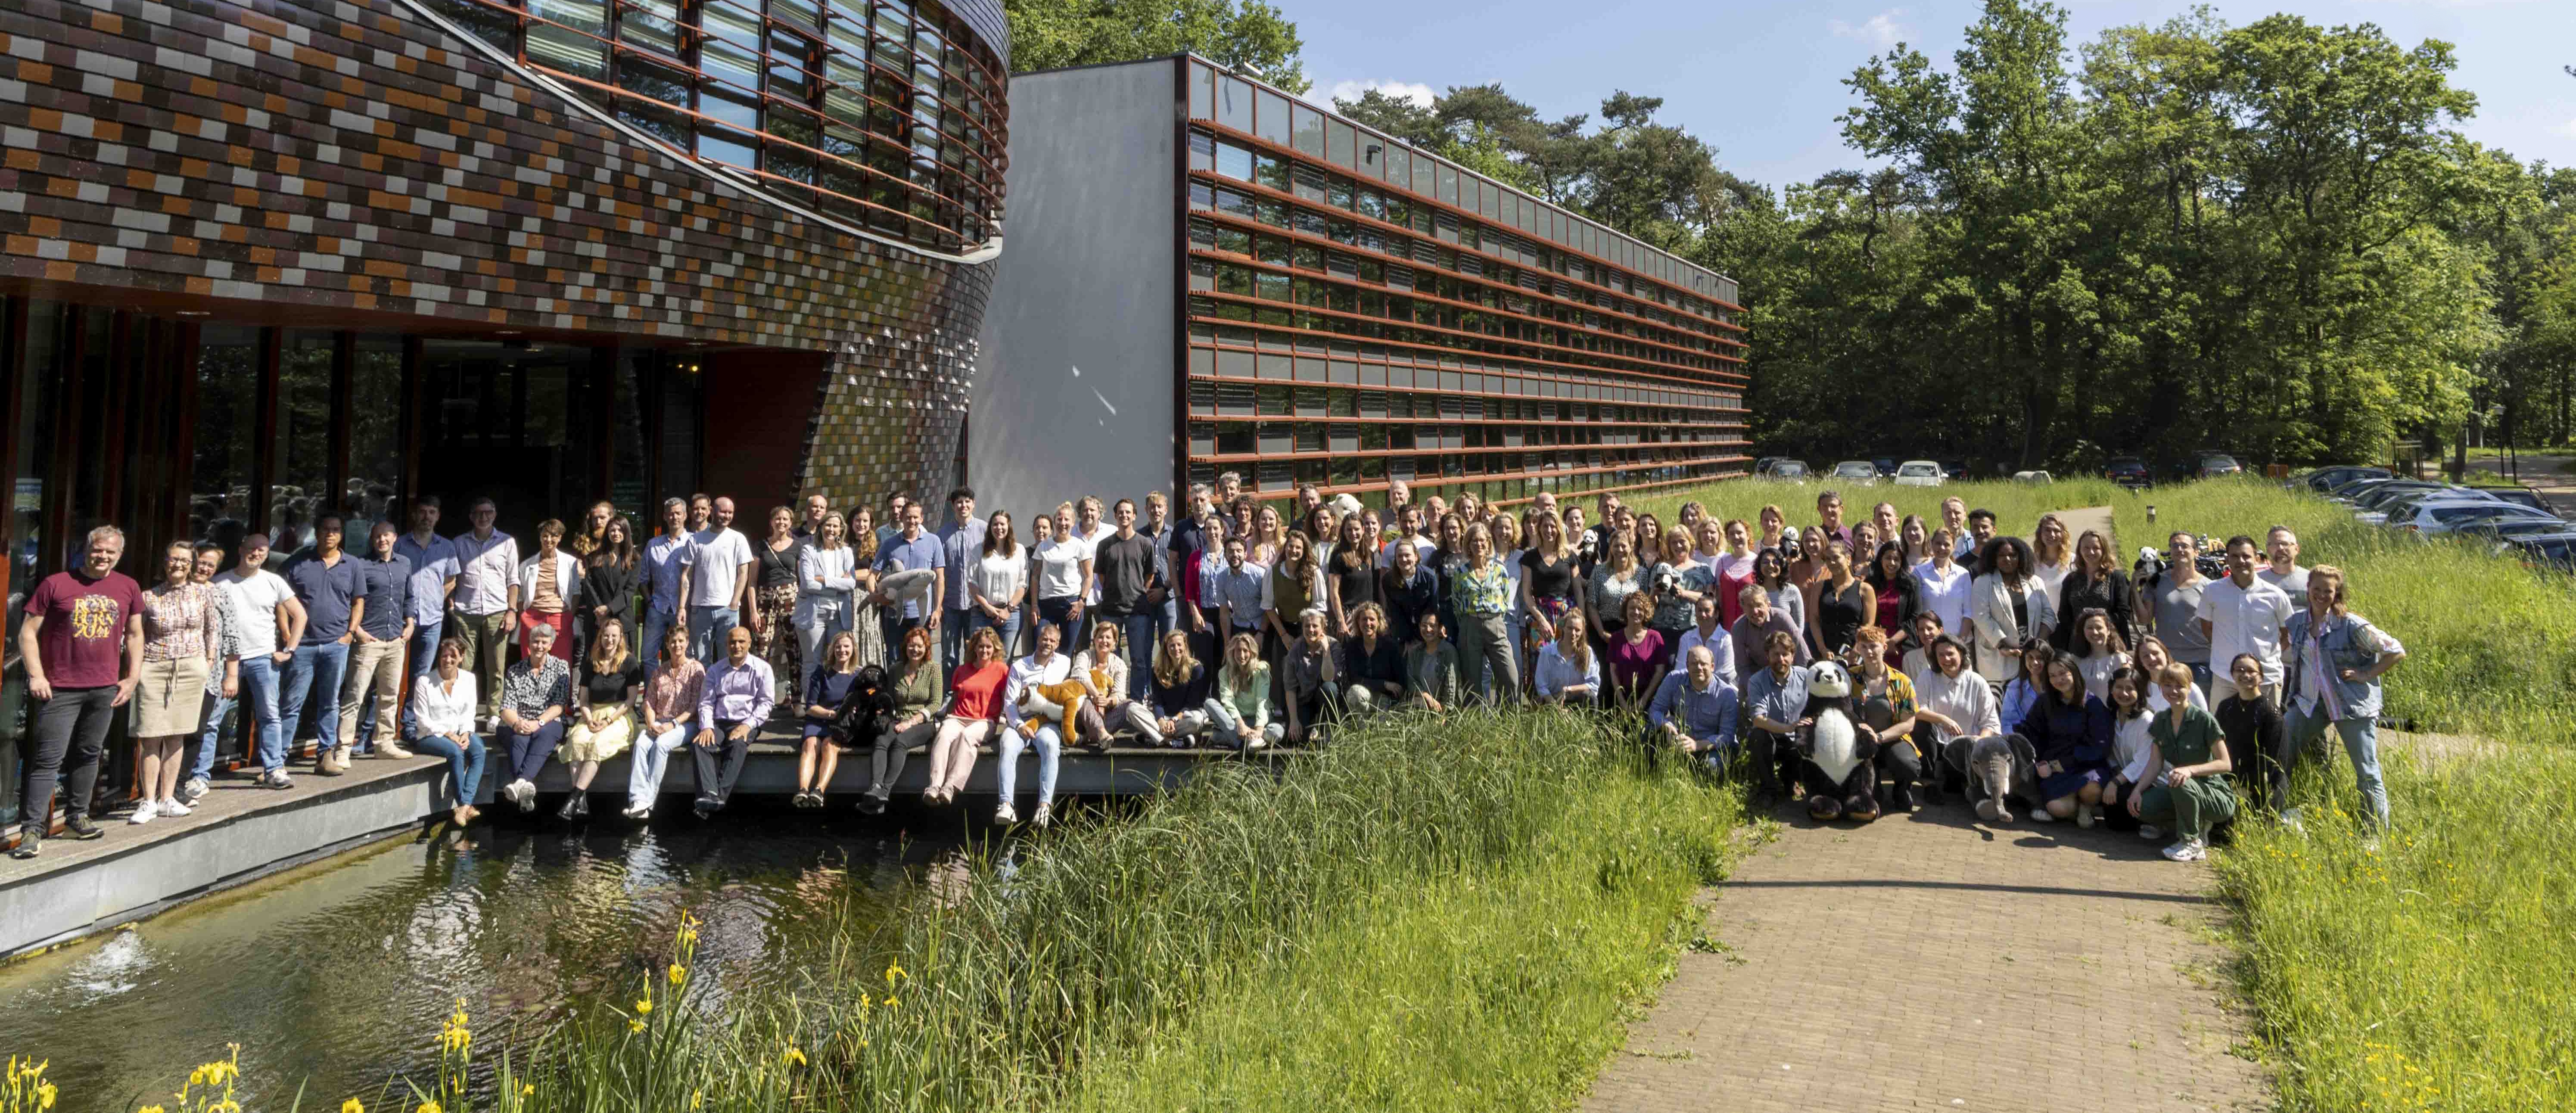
(1997, 769)
(1841, 780)
(867, 716)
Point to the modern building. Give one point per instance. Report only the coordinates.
(264, 261)
(1208, 274)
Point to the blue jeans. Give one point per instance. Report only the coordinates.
(1050, 745)
(708, 629)
(258, 692)
(466, 761)
(528, 752)
(657, 625)
(1009, 630)
(314, 667)
(952, 636)
(1142, 629)
(2360, 742)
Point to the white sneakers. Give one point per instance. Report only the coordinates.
(521, 793)
(194, 790)
(2084, 816)
(174, 808)
(1043, 816)
(2188, 850)
(145, 812)
(1006, 813)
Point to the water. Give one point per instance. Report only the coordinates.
(338, 975)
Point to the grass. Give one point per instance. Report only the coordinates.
(1426, 914)
(2437, 972)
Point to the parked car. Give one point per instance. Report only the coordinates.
(2378, 498)
(1919, 473)
(1886, 466)
(2519, 496)
(2215, 464)
(1857, 472)
(2351, 492)
(2128, 471)
(1789, 471)
(2323, 480)
(2398, 507)
(2507, 529)
(2549, 550)
(2435, 517)
(1954, 468)
(2033, 477)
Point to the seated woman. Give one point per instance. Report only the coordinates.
(1372, 665)
(917, 693)
(1314, 689)
(2152, 657)
(442, 714)
(1952, 704)
(2255, 739)
(1635, 654)
(1568, 673)
(1883, 700)
(611, 679)
(536, 691)
(1037, 710)
(2022, 694)
(1239, 712)
(974, 709)
(2070, 740)
(2130, 721)
(1180, 693)
(1102, 674)
(2188, 792)
(818, 752)
(670, 701)
(1431, 668)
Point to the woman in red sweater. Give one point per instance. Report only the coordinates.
(974, 706)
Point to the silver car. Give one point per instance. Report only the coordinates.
(1919, 473)
(1857, 473)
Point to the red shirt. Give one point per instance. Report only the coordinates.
(979, 691)
(83, 642)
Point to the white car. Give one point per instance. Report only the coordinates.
(1919, 473)
(2435, 517)
(2041, 476)
(1856, 473)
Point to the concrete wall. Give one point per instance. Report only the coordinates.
(1075, 394)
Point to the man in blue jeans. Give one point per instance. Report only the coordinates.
(434, 567)
(1131, 593)
(662, 577)
(268, 617)
(325, 581)
(961, 545)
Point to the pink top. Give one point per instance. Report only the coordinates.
(179, 622)
(1635, 664)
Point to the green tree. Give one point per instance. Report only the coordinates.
(1245, 34)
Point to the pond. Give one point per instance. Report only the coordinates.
(336, 976)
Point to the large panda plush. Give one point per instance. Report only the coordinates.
(1841, 775)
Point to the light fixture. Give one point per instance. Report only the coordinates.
(193, 313)
(507, 332)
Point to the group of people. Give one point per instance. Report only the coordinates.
(1231, 623)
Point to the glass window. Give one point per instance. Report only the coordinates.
(300, 487)
(1339, 139)
(375, 481)
(1447, 190)
(1399, 167)
(1202, 92)
(1234, 161)
(1234, 103)
(1202, 151)
(1489, 198)
(1372, 156)
(1270, 116)
(1307, 125)
(630, 491)
(227, 413)
(563, 36)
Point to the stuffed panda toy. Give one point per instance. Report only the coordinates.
(1841, 774)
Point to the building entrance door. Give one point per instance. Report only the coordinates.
(513, 422)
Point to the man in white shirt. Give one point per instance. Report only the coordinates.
(2243, 614)
(1090, 523)
(272, 622)
(487, 567)
(715, 581)
(433, 580)
(1022, 727)
(1408, 532)
(2283, 571)
(1720, 642)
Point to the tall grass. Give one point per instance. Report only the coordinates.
(2437, 971)
(1424, 914)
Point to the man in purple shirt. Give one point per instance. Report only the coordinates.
(82, 642)
(734, 703)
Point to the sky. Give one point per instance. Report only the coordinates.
(1761, 80)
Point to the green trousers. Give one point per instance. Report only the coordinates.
(2191, 810)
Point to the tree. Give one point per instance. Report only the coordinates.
(1244, 34)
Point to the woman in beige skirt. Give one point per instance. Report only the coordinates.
(606, 690)
(183, 642)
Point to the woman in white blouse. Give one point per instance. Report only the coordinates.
(1943, 583)
(998, 584)
(1061, 565)
(1953, 702)
(442, 709)
(827, 578)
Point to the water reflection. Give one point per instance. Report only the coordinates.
(339, 974)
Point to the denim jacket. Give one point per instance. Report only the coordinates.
(2351, 642)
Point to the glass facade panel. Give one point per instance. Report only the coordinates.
(375, 483)
(1307, 125)
(220, 474)
(1270, 117)
(301, 485)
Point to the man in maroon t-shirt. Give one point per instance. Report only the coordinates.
(82, 641)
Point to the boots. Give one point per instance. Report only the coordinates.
(332, 762)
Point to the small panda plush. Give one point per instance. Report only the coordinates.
(1841, 781)
(1667, 580)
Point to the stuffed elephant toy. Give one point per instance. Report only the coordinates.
(1998, 769)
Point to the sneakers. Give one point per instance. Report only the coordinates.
(523, 794)
(29, 845)
(2041, 815)
(2084, 816)
(194, 790)
(809, 799)
(871, 803)
(274, 778)
(2188, 850)
(1006, 814)
(1043, 816)
(175, 808)
(145, 812)
(79, 827)
(645, 812)
(332, 762)
(2150, 831)
(392, 750)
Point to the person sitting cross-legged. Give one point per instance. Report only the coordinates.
(1694, 710)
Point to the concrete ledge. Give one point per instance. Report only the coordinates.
(771, 771)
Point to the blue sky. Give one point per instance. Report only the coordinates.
(1762, 79)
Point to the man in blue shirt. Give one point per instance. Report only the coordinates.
(662, 567)
(325, 581)
(376, 648)
(911, 551)
(1695, 710)
(1774, 711)
(433, 576)
(961, 545)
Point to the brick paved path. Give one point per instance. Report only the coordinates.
(1926, 962)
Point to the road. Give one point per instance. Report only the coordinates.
(2542, 474)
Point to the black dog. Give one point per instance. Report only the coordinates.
(868, 714)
